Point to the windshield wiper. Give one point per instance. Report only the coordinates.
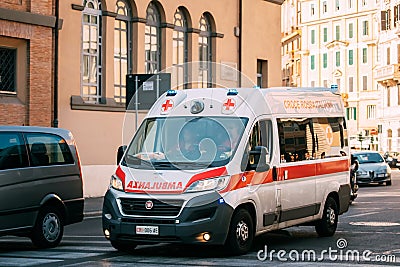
(132, 160)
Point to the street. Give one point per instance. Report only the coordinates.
(370, 228)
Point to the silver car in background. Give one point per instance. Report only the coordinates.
(40, 183)
(372, 168)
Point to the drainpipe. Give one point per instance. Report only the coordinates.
(55, 93)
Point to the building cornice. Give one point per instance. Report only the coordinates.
(28, 18)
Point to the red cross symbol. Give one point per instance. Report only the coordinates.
(229, 104)
(167, 105)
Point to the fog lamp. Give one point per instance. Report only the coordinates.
(206, 236)
(107, 233)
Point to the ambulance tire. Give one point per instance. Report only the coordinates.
(327, 225)
(123, 246)
(49, 228)
(241, 233)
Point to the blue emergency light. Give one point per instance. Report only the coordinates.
(171, 93)
(334, 88)
(232, 92)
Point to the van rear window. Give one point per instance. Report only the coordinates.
(48, 149)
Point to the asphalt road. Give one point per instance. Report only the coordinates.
(370, 229)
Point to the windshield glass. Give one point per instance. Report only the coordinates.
(369, 158)
(185, 142)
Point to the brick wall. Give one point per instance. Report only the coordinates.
(35, 106)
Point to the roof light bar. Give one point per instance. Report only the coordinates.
(171, 93)
(232, 92)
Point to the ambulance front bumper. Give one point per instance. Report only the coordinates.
(202, 219)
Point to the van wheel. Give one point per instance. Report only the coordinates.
(327, 225)
(48, 229)
(241, 233)
(123, 246)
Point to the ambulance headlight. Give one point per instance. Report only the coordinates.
(217, 183)
(116, 183)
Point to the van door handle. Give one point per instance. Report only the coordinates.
(274, 174)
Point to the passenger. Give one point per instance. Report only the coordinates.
(283, 158)
(308, 156)
(231, 139)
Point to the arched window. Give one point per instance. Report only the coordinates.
(398, 139)
(180, 52)
(122, 49)
(205, 53)
(152, 40)
(91, 51)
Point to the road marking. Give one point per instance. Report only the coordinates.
(380, 224)
(359, 215)
(84, 236)
(368, 232)
(92, 217)
(10, 261)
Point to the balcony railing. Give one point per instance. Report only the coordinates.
(389, 72)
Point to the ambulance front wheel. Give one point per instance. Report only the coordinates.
(327, 225)
(241, 233)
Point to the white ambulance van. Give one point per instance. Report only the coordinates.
(220, 166)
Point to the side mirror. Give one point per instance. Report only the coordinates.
(258, 159)
(120, 153)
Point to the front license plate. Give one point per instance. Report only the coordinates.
(146, 230)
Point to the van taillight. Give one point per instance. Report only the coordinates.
(79, 161)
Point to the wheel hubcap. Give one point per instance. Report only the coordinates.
(51, 227)
(242, 232)
(331, 216)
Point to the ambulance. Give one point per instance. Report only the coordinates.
(221, 166)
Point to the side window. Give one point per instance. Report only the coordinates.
(330, 136)
(261, 135)
(12, 151)
(296, 140)
(48, 149)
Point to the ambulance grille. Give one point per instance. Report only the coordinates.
(132, 206)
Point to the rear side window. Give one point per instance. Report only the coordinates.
(48, 149)
(12, 151)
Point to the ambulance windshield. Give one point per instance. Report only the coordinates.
(185, 142)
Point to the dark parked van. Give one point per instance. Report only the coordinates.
(40, 183)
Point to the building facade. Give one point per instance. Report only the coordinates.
(27, 62)
(291, 43)
(339, 46)
(387, 75)
(103, 40)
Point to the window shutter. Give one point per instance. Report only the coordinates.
(355, 113)
(383, 20)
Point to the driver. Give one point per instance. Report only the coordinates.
(188, 144)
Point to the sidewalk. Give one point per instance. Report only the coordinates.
(93, 206)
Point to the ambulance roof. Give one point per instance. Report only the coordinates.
(249, 102)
